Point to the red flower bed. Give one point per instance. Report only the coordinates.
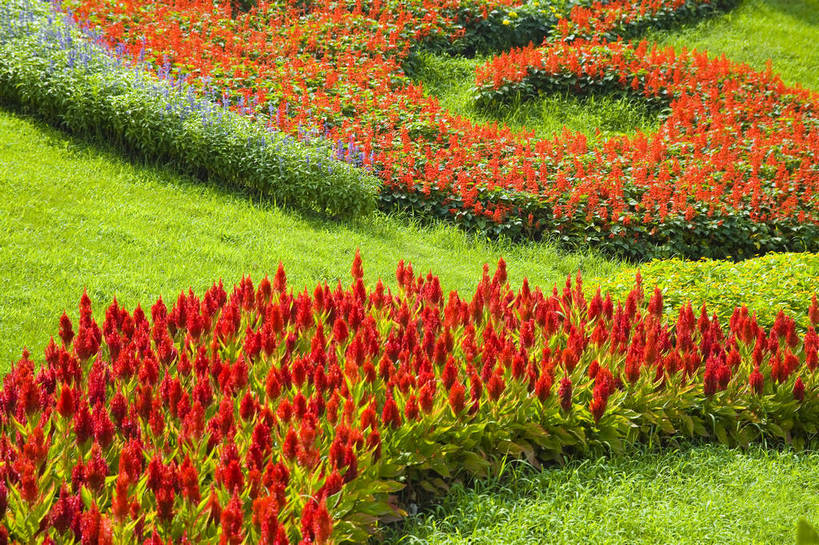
(278, 417)
(735, 141)
(336, 68)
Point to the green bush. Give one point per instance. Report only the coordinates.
(50, 69)
(766, 285)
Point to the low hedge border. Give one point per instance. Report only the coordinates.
(767, 285)
(52, 69)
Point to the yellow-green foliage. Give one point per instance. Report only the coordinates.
(766, 285)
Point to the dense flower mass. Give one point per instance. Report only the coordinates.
(340, 69)
(264, 415)
(736, 144)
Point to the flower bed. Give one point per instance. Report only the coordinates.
(338, 69)
(737, 148)
(278, 417)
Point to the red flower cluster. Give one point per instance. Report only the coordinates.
(271, 416)
(736, 141)
(335, 69)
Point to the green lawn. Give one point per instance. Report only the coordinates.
(785, 31)
(451, 79)
(695, 496)
(74, 216)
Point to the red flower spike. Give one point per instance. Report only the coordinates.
(357, 270)
(799, 390)
(564, 392)
(232, 519)
(66, 330)
(756, 381)
(457, 398)
(322, 524)
(391, 416)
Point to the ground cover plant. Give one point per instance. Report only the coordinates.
(279, 416)
(769, 284)
(325, 71)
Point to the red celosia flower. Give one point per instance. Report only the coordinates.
(457, 397)
(597, 407)
(391, 416)
(291, 444)
(95, 528)
(164, 504)
(799, 389)
(232, 520)
(322, 523)
(357, 270)
(66, 330)
(212, 507)
(26, 471)
(120, 501)
(565, 393)
(64, 511)
(65, 405)
(102, 426)
(756, 380)
(96, 469)
(495, 386)
(543, 387)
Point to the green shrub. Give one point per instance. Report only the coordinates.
(766, 285)
(50, 69)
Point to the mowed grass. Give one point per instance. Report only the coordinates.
(74, 216)
(706, 495)
(785, 31)
(452, 79)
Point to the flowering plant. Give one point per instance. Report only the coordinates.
(50, 68)
(714, 189)
(266, 415)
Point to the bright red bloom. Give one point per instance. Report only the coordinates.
(391, 416)
(457, 397)
(66, 330)
(799, 389)
(564, 392)
(232, 521)
(757, 381)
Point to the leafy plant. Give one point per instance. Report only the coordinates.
(275, 417)
(768, 285)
